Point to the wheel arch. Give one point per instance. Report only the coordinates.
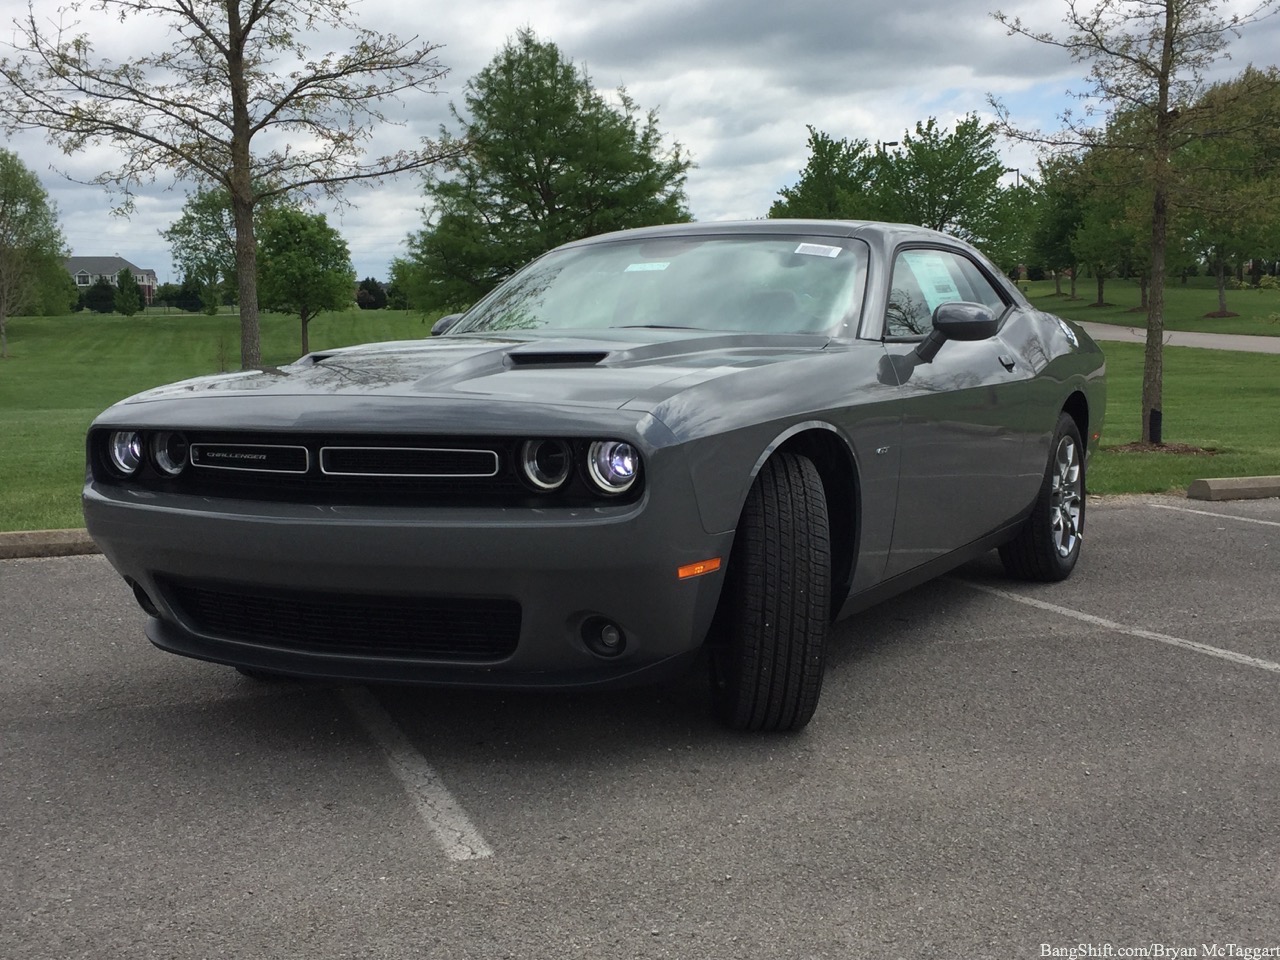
(838, 468)
(1077, 407)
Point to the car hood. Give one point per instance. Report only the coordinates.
(606, 368)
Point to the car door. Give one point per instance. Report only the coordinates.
(962, 462)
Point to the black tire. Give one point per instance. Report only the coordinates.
(769, 640)
(1048, 545)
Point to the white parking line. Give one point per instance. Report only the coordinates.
(450, 823)
(1208, 513)
(1231, 655)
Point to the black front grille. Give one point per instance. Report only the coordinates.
(418, 628)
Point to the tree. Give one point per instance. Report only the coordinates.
(1233, 220)
(128, 298)
(1147, 60)
(101, 297)
(230, 77)
(946, 180)
(202, 242)
(550, 160)
(305, 266)
(371, 295)
(835, 183)
(31, 242)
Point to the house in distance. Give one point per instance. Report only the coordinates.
(86, 271)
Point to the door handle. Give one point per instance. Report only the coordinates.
(1007, 362)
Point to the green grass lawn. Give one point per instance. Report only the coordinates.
(1185, 306)
(1214, 399)
(63, 371)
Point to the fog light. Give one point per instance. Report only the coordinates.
(124, 448)
(613, 465)
(603, 637)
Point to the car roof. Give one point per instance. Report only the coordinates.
(876, 232)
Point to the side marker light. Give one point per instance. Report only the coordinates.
(698, 569)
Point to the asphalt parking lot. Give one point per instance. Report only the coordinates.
(996, 770)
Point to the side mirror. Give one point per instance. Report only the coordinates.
(444, 323)
(957, 321)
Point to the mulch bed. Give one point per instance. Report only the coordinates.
(1186, 449)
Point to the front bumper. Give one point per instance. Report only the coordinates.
(565, 568)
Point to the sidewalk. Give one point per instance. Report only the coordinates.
(1179, 338)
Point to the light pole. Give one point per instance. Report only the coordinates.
(1017, 174)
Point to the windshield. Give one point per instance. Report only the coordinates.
(764, 283)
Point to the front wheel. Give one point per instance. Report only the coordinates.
(768, 642)
(1048, 545)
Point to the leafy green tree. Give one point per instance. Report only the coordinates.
(946, 180)
(101, 297)
(128, 298)
(31, 241)
(548, 160)
(53, 294)
(835, 184)
(1233, 219)
(305, 264)
(1148, 61)
(1060, 195)
(234, 97)
(202, 242)
(371, 295)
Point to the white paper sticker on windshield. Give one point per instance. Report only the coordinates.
(641, 267)
(818, 250)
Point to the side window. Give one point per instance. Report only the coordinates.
(923, 279)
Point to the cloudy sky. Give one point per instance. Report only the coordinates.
(734, 82)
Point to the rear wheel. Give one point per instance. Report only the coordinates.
(769, 639)
(1048, 545)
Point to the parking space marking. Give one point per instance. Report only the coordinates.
(1221, 654)
(1223, 516)
(437, 807)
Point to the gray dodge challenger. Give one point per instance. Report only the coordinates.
(705, 441)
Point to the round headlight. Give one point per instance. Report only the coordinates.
(124, 447)
(613, 465)
(545, 463)
(169, 453)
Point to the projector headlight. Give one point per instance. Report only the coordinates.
(612, 465)
(169, 452)
(124, 449)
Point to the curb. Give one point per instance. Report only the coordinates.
(25, 544)
(1234, 488)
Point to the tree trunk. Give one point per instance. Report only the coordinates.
(306, 348)
(1074, 271)
(4, 338)
(1057, 283)
(1153, 356)
(1222, 286)
(240, 186)
(1102, 282)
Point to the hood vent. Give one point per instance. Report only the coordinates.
(577, 358)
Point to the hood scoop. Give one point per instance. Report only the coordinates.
(555, 358)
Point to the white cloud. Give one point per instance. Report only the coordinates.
(736, 84)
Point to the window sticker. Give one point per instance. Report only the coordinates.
(818, 250)
(930, 269)
(645, 267)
